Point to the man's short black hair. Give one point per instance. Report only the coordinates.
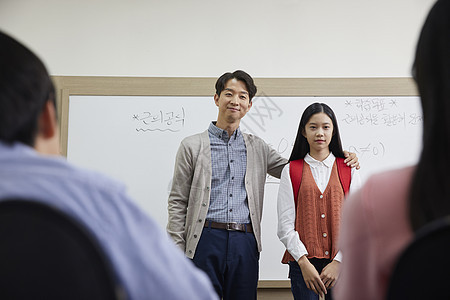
(238, 75)
(25, 88)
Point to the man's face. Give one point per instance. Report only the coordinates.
(233, 101)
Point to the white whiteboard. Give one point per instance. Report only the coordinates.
(135, 139)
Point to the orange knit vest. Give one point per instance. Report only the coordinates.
(318, 215)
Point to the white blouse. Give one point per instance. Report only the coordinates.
(321, 171)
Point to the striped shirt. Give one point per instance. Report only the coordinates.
(228, 201)
(125, 233)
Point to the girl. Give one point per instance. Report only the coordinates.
(310, 198)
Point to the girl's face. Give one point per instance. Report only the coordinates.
(319, 132)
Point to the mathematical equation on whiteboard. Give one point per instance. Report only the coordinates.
(377, 112)
(374, 148)
(160, 120)
(370, 150)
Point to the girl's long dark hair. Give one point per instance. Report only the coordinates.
(429, 197)
(301, 146)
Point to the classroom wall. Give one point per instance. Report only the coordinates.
(267, 38)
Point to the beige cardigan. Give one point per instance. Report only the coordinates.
(189, 196)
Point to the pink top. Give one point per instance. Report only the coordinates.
(374, 232)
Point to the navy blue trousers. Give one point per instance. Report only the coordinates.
(298, 285)
(231, 260)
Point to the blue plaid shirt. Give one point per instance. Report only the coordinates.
(228, 201)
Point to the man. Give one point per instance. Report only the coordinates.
(215, 204)
(144, 259)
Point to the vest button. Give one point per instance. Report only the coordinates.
(321, 196)
(324, 234)
(326, 252)
(322, 216)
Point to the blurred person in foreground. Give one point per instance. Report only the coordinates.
(380, 220)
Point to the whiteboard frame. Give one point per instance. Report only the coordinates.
(67, 86)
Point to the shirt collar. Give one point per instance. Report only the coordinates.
(16, 147)
(327, 162)
(221, 133)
